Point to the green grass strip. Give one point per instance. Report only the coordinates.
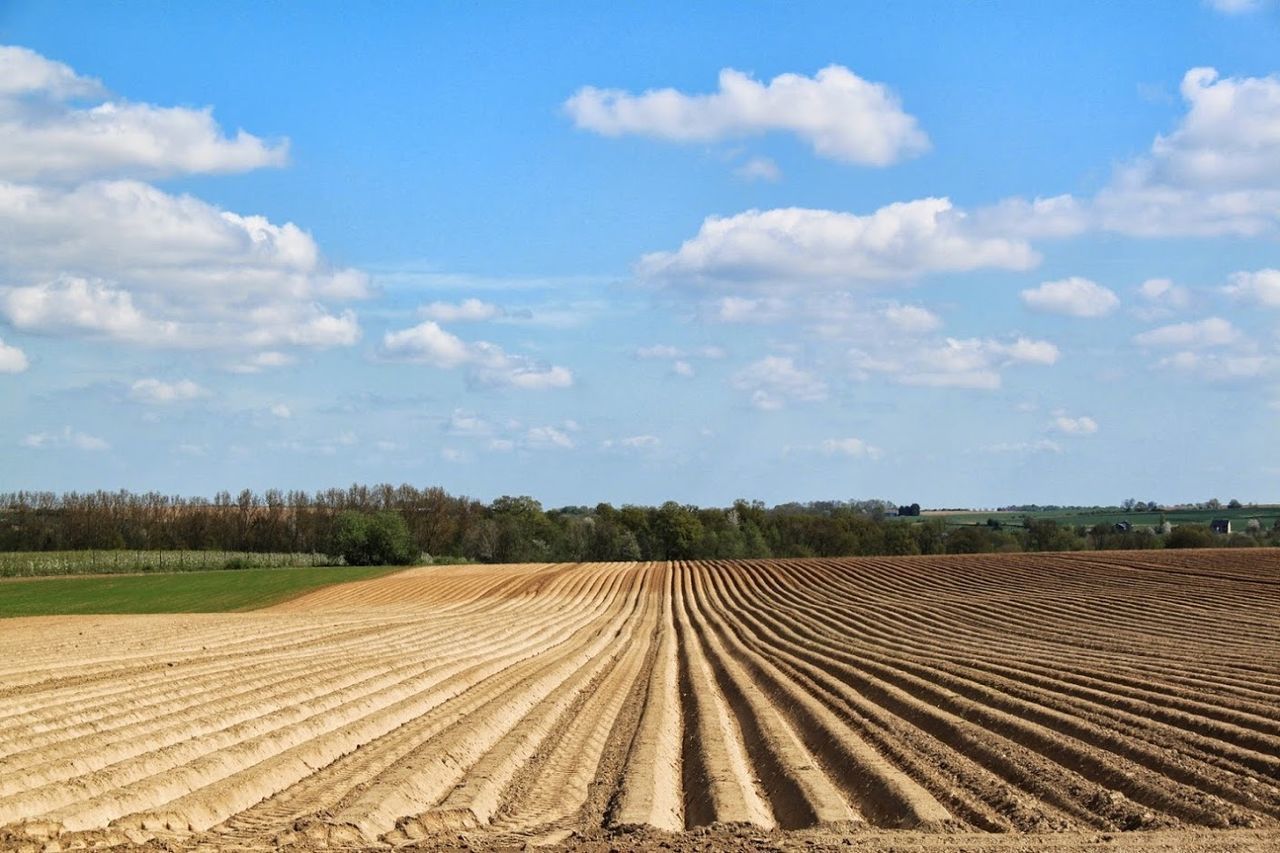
(188, 592)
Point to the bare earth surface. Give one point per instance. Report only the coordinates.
(1065, 702)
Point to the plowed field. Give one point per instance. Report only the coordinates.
(890, 701)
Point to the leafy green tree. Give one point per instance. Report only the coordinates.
(373, 539)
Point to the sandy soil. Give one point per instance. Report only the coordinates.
(987, 703)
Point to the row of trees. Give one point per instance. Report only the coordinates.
(411, 522)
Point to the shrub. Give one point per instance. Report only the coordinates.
(1190, 536)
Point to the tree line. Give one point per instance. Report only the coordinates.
(432, 524)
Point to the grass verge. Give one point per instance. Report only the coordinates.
(188, 592)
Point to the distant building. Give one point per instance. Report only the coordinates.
(1220, 525)
(1123, 527)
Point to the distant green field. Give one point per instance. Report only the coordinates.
(19, 564)
(1266, 515)
(188, 592)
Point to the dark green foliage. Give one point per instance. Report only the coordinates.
(373, 539)
(396, 524)
(1190, 536)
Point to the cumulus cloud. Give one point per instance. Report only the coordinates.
(1216, 173)
(774, 381)
(1071, 297)
(1259, 288)
(12, 359)
(67, 438)
(1210, 332)
(89, 250)
(911, 319)
(843, 116)
(47, 132)
(462, 422)
(468, 310)
(683, 368)
(486, 363)
(1082, 425)
(798, 246)
(156, 392)
(280, 410)
(974, 363)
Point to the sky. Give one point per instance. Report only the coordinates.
(965, 255)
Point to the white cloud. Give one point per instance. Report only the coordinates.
(67, 438)
(740, 309)
(798, 246)
(12, 359)
(974, 363)
(759, 169)
(280, 410)
(633, 442)
(1260, 288)
(1083, 425)
(89, 250)
(1072, 297)
(843, 116)
(1217, 365)
(468, 310)
(547, 438)
(155, 392)
(855, 447)
(775, 380)
(1162, 297)
(682, 368)
(466, 423)
(501, 445)
(486, 363)
(912, 319)
(449, 454)
(1210, 332)
(45, 135)
(262, 361)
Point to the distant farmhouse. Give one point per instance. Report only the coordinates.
(1220, 525)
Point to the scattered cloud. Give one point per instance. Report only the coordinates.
(683, 368)
(467, 423)
(1258, 288)
(12, 359)
(155, 392)
(1067, 425)
(843, 116)
(468, 310)
(759, 169)
(855, 447)
(487, 364)
(547, 438)
(974, 363)
(67, 438)
(49, 133)
(280, 410)
(1161, 298)
(90, 250)
(262, 361)
(633, 442)
(1217, 365)
(1210, 332)
(790, 247)
(911, 319)
(1071, 297)
(774, 381)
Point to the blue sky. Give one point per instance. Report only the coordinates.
(961, 254)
